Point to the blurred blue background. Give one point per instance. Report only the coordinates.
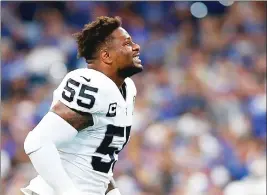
(200, 117)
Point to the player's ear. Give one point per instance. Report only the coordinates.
(105, 56)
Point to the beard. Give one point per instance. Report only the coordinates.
(129, 71)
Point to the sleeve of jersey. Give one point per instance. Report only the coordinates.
(78, 92)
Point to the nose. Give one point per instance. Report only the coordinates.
(136, 47)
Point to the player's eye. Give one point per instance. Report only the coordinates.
(128, 43)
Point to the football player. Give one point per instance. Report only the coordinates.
(75, 146)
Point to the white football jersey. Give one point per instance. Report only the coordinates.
(90, 157)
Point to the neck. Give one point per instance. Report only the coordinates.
(117, 80)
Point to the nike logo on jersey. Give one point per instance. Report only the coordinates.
(88, 80)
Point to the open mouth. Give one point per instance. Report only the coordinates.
(136, 58)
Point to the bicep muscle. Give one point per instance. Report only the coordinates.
(77, 119)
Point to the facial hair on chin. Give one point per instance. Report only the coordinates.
(129, 71)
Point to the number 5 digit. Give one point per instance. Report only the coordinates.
(82, 94)
(70, 90)
(87, 96)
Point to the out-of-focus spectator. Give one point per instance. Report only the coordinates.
(254, 184)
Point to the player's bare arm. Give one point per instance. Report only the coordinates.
(75, 118)
(112, 188)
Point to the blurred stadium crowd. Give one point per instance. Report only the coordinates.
(200, 118)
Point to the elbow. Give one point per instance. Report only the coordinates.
(32, 142)
(52, 129)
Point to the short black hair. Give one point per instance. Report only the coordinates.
(94, 35)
